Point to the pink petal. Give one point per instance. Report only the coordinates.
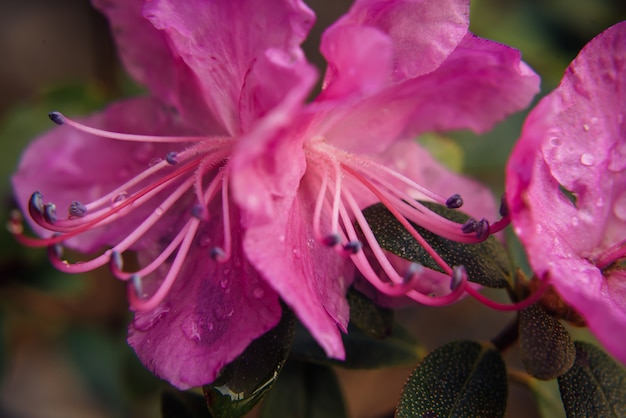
(148, 57)
(66, 165)
(423, 34)
(478, 71)
(221, 40)
(310, 277)
(576, 139)
(209, 317)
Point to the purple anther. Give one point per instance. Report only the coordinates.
(469, 226)
(77, 210)
(50, 213)
(135, 279)
(455, 201)
(458, 275)
(199, 212)
(331, 240)
(57, 118)
(504, 208)
(482, 229)
(216, 253)
(171, 158)
(116, 261)
(413, 270)
(57, 249)
(353, 247)
(36, 203)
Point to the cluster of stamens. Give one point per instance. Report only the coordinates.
(338, 220)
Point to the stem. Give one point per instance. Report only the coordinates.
(508, 336)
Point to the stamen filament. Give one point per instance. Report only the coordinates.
(611, 254)
(61, 119)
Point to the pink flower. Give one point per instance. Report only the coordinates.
(235, 191)
(566, 187)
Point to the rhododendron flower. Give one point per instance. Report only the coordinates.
(235, 192)
(566, 187)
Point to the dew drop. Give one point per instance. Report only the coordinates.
(619, 207)
(258, 292)
(155, 161)
(158, 211)
(297, 253)
(555, 141)
(191, 329)
(600, 202)
(587, 159)
(586, 127)
(119, 198)
(575, 221)
(539, 228)
(224, 282)
(146, 320)
(310, 243)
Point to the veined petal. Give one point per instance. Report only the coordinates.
(310, 277)
(68, 165)
(423, 33)
(221, 40)
(478, 71)
(208, 318)
(567, 190)
(149, 58)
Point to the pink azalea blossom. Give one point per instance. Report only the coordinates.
(235, 191)
(566, 187)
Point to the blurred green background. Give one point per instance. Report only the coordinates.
(62, 348)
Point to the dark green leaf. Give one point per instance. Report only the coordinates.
(461, 379)
(595, 386)
(547, 347)
(305, 390)
(370, 318)
(175, 404)
(362, 350)
(244, 382)
(486, 263)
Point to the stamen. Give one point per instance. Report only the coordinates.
(61, 119)
(35, 204)
(532, 299)
(171, 158)
(611, 255)
(454, 202)
(353, 247)
(331, 240)
(50, 213)
(116, 262)
(482, 229)
(199, 212)
(217, 254)
(135, 279)
(459, 275)
(413, 270)
(469, 226)
(57, 118)
(77, 210)
(504, 207)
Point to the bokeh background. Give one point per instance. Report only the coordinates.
(62, 338)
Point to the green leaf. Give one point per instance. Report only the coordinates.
(176, 404)
(547, 347)
(460, 379)
(362, 350)
(305, 390)
(595, 386)
(368, 317)
(244, 382)
(486, 263)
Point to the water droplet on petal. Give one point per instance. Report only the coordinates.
(575, 221)
(555, 141)
(600, 202)
(158, 211)
(119, 198)
(224, 282)
(258, 292)
(297, 253)
(619, 207)
(155, 161)
(539, 228)
(146, 320)
(191, 329)
(587, 159)
(586, 127)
